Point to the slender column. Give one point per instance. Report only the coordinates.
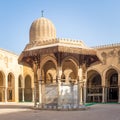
(23, 99)
(103, 94)
(104, 89)
(119, 94)
(35, 83)
(40, 87)
(59, 86)
(6, 86)
(33, 95)
(81, 94)
(40, 94)
(5, 94)
(85, 92)
(119, 88)
(80, 89)
(106, 94)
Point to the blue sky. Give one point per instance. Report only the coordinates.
(96, 22)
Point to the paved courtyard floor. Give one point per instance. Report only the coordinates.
(23, 111)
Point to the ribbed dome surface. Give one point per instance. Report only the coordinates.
(42, 29)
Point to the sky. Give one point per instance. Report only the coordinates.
(95, 22)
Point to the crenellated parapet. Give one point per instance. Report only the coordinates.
(107, 46)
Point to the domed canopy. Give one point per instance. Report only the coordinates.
(42, 29)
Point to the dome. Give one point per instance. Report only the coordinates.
(42, 29)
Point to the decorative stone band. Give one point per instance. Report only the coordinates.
(56, 49)
(55, 41)
(26, 56)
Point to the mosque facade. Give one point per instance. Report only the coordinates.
(59, 72)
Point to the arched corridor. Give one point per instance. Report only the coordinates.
(2, 87)
(11, 88)
(94, 87)
(28, 89)
(112, 85)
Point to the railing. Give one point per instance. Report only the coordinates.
(94, 90)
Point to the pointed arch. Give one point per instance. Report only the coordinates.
(110, 67)
(2, 86)
(46, 59)
(11, 87)
(28, 88)
(49, 71)
(111, 81)
(70, 68)
(94, 86)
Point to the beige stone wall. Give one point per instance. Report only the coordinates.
(110, 59)
(9, 65)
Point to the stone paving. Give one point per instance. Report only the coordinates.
(23, 111)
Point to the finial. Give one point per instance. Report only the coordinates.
(42, 13)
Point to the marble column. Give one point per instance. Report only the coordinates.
(106, 94)
(119, 94)
(33, 95)
(23, 99)
(103, 94)
(59, 86)
(40, 94)
(84, 92)
(81, 94)
(80, 87)
(35, 83)
(5, 94)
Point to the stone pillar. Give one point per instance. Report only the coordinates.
(5, 94)
(59, 85)
(33, 95)
(35, 83)
(6, 86)
(80, 87)
(39, 77)
(40, 94)
(23, 99)
(84, 92)
(104, 89)
(106, 94)
(119, 94)
(103, 94)
(81, 95)
(119, 88)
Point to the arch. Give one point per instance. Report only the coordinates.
(28, 88)
(74, 60)
(94, 86)
(46, 59)
(2, 86)
(2, 79)
(49, 72)
(110, 67)
(112, 85)
(11, 86)
(70, 68)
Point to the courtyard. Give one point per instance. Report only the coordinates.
(23, 111)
